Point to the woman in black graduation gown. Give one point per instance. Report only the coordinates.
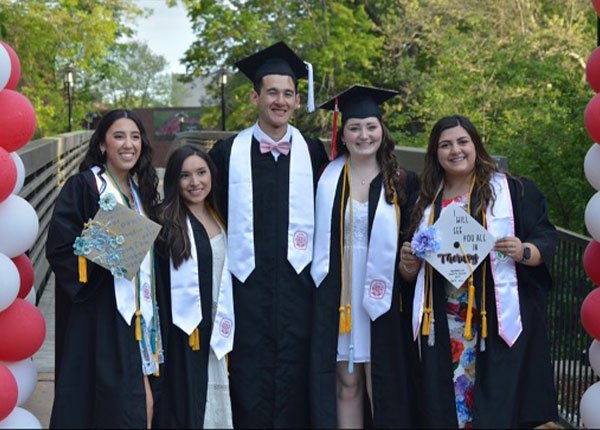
(493, 371)
(102, 370)
(198, 310)
(361, 336)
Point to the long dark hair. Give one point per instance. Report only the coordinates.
(172, 212)
(146, 175)
(393, 181)
(433, 173)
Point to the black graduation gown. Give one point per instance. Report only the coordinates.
(513, 386)
(268, 367)
(184, 376)
(393, 353)
(99, 379)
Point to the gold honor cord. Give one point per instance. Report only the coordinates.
(346, 311)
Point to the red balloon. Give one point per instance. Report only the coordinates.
(8, 392)
(15, 64)
(22, 331)
(17, 120)
(596, 4)
(8, 174)
(591, 118)
(590, 313)
(26, 274)
(592, 70)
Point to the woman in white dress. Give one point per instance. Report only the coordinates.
(361, 342)
(198, 306)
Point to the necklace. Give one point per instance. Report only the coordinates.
(367, 178)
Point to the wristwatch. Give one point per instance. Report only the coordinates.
(526, 254)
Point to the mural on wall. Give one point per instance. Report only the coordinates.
(167, 123)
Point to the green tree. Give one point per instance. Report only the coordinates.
(135, 77)
(49, 35)
(337, 37)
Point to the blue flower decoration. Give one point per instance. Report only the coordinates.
(425, 241)
(82, 246)
(108, 202)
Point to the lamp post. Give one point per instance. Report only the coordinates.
(69, 83)
(223, 81)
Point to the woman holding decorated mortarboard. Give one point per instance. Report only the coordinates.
(361, 330)
(193, 276)
(484, 351)
(108, 342)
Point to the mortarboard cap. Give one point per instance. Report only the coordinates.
(359, 101)
(278, 59)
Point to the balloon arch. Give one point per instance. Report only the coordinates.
(22, 325)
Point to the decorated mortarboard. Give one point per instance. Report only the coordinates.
(455, 245)
(357, 101)
(117, 239)
(278, 59)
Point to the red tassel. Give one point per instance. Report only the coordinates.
(334, 137)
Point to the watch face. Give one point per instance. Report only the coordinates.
(526, 253)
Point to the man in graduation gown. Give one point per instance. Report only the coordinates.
(267, 175)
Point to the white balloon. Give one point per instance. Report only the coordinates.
(5, 67)
(21, 172)
(20, 418)
(592, 216)
(31, 297)
(18, 226)
(25, 374)
(588, 407)
(10, 282)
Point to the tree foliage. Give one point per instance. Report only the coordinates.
(49, 35)
(515, 67)
(135, 77)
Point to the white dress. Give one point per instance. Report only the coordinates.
(218, 402)
(361, 323)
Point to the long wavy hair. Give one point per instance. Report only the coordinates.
(393, 181)
(146, 175)
(433, 173)
(172, 212)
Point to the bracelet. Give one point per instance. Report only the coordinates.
(406, 269)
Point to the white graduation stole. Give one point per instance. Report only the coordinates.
(500, 223)
(186, 306)
(383, 245)
(125, 289)
(240, 249)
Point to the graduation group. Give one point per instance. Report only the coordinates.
(283, 290)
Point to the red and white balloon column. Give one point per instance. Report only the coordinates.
(22, 326)
(589, 406)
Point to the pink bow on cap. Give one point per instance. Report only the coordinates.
(282, 147)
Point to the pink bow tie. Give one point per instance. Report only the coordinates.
(282, 147)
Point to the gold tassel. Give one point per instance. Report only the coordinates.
(138, 326)
(194, 340)
(425, 325)
(82, 269)
(157, 373)
(468, 328)
(343, 325)
(348, 318)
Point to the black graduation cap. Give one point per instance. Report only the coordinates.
(359, 101)
(277, 59)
